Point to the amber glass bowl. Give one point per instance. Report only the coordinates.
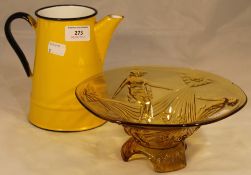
(159, 107)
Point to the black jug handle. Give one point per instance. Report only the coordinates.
(12, 41)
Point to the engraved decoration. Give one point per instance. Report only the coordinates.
(175, 107)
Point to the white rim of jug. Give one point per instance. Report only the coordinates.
(65, 12)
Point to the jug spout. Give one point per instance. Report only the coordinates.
(103, 32)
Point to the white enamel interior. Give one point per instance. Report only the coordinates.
(66, 12)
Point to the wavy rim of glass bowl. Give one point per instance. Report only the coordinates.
(193, 124)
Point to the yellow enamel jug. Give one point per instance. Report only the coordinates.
(70, 47)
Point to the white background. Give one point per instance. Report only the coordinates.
(212, 35)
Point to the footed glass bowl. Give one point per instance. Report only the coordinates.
(159, 107)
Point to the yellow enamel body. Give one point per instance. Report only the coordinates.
(53, 104)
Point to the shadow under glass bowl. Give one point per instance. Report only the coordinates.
(159, 107)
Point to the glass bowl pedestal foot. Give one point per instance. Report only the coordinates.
(163, 160)
(165, 148)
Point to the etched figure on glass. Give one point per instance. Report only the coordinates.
(139, 91)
